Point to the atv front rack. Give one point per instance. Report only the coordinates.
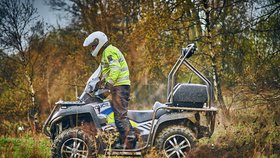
(58, 104)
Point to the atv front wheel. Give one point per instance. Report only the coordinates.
(74, 143)
(175, 141)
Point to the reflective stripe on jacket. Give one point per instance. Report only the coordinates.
(114, 67)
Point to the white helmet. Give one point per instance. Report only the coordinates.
(97, 40)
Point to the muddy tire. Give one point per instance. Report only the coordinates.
(175, 141)
(73, 142)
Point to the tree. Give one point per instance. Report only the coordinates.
(19, 27)
(67, 66)
(166, 26)
(264, 62)
(153, 32)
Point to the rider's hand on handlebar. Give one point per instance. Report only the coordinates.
(108, 86)
(100, 84)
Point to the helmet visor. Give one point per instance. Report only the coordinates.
(93, 47)
(94, 44)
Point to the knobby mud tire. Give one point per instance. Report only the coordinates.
(74, 133)
(175, 135)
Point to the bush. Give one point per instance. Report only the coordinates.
(251, 133)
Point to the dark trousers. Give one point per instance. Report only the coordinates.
(120, 99)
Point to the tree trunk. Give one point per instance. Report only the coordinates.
(34, 106)
(217, 82)
(213, 57)
(48, 93)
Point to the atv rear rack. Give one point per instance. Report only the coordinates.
(186, 53)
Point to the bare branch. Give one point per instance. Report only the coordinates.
(16, 17)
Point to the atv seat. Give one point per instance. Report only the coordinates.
(146, 115)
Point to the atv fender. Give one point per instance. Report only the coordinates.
(66, 111)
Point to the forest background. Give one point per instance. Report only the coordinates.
(238, 45)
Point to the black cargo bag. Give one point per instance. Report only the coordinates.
(190, 95)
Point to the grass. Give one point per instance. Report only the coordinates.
(33, 146)
(27, 146)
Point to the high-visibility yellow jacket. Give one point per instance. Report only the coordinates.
(114, 67)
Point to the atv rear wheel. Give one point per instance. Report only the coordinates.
(175, 141)
(74, 143)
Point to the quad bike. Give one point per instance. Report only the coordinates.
(85, 128)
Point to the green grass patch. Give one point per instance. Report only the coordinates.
(26, 146)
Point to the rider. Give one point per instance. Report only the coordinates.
(116, 74)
